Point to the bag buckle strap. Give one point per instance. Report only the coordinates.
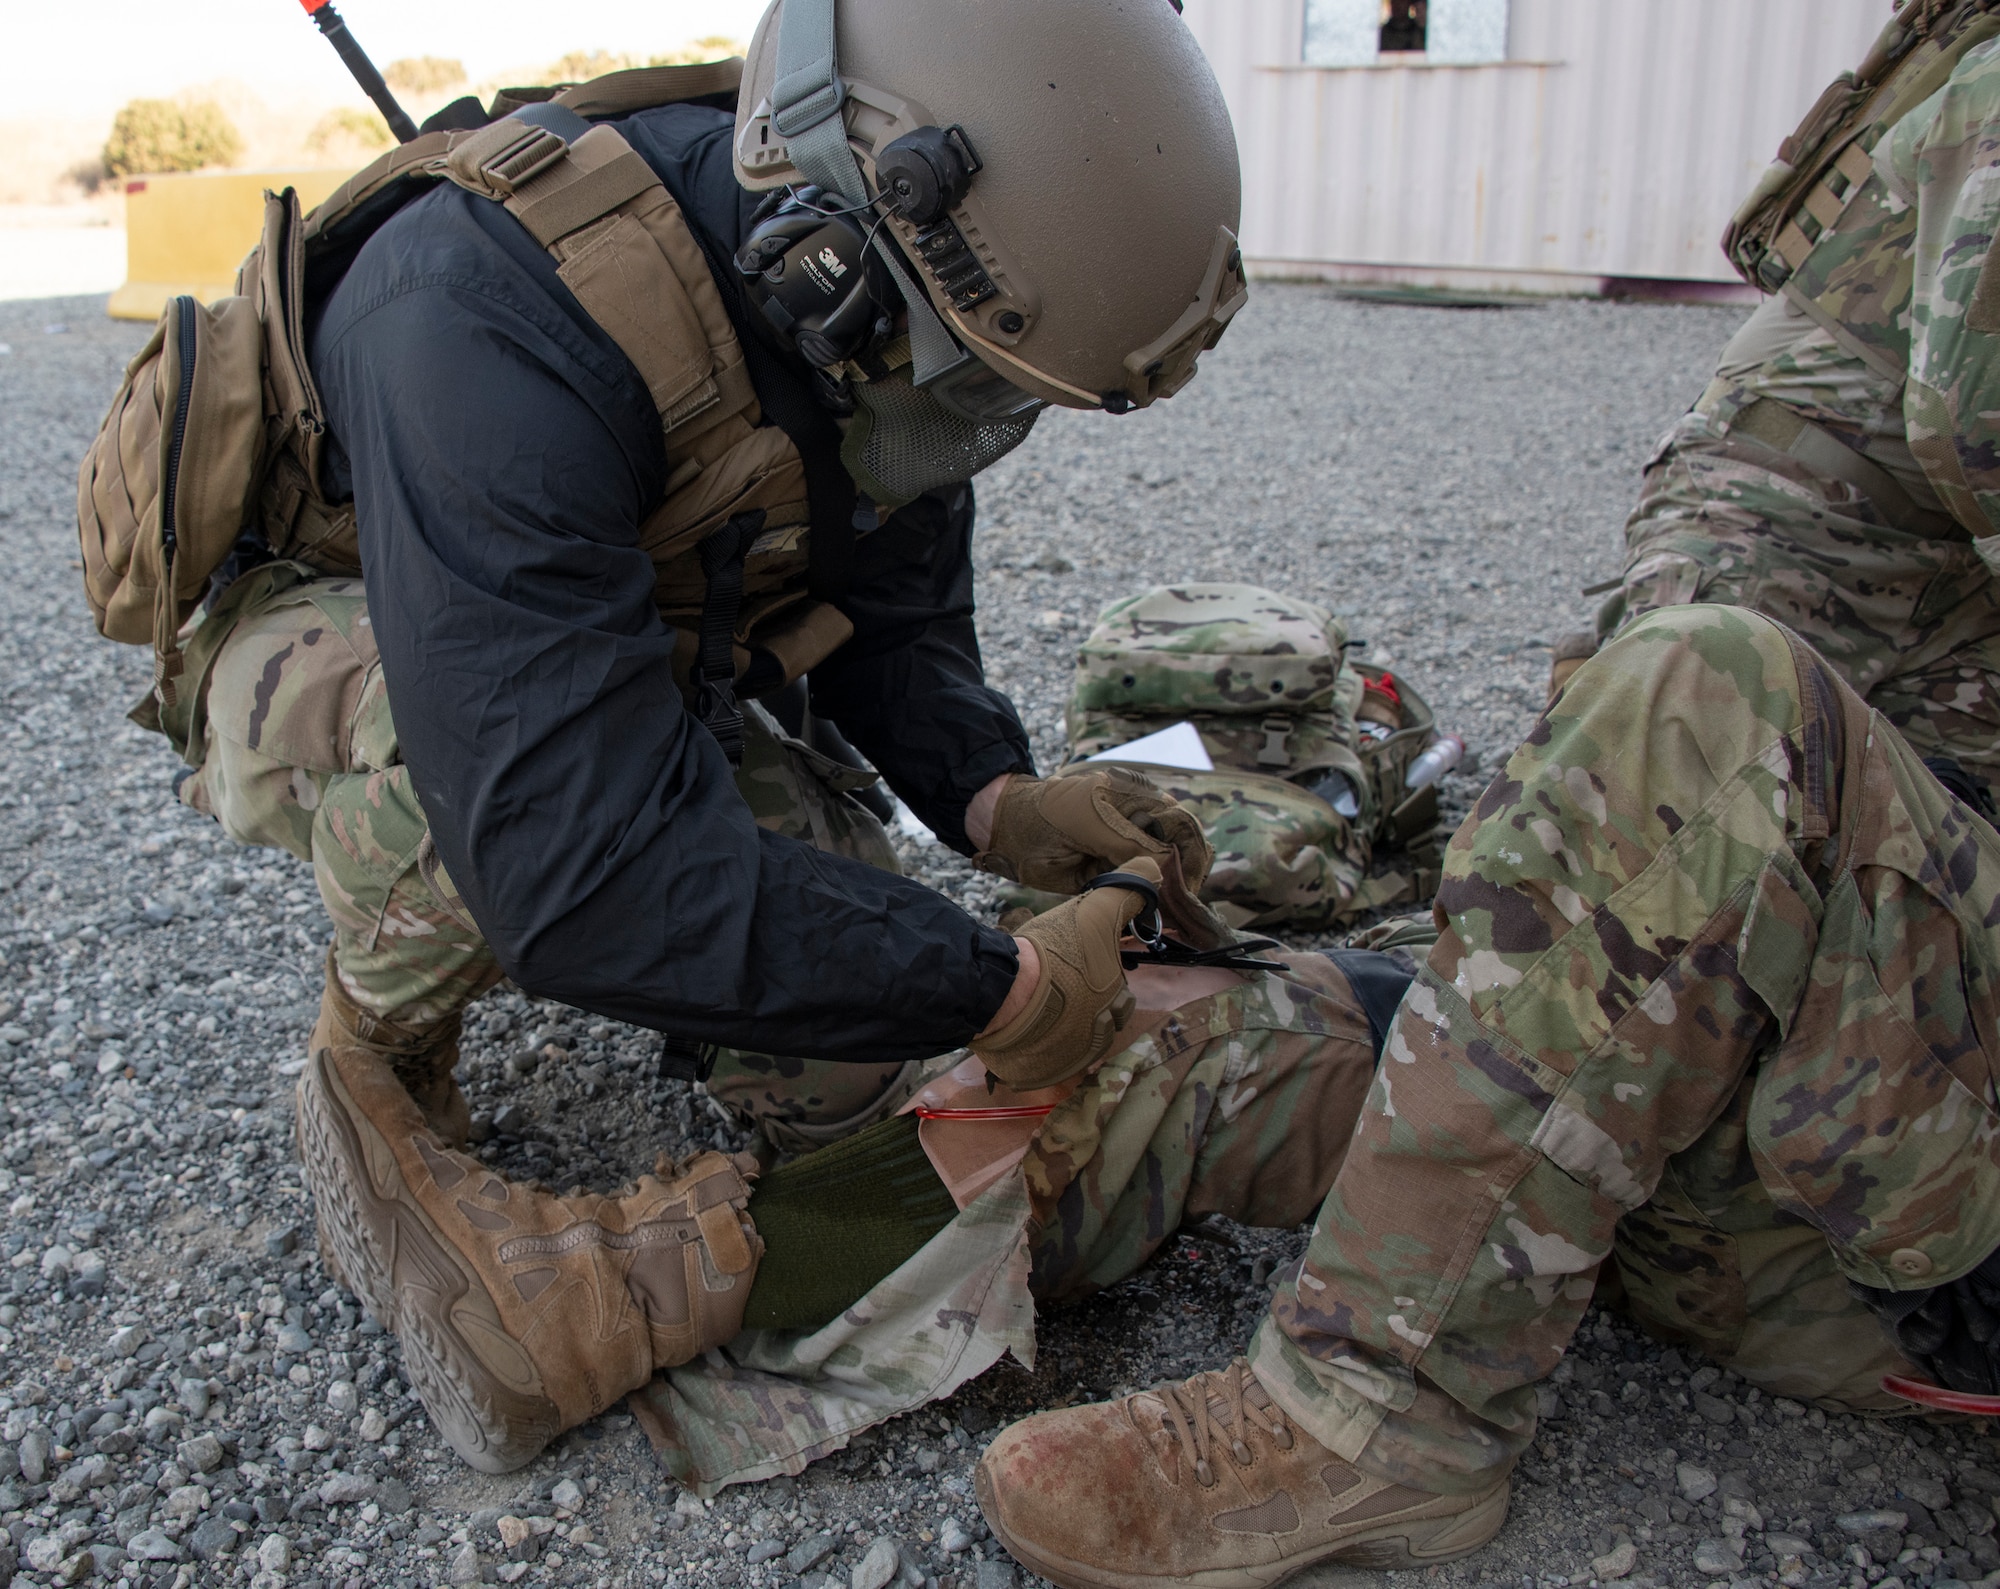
(504, 157)
(1277, 743)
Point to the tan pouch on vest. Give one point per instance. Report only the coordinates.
(167, 484)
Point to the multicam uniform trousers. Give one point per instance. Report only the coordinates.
(297, 750)
(1715, 998)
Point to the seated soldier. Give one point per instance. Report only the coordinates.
(1714, 999)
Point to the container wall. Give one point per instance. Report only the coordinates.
(1614, 141)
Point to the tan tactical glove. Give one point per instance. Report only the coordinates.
(1056, 834)
(1081, 1000)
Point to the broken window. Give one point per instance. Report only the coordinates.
(1368, 32)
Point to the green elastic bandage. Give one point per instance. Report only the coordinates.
(838, 1221)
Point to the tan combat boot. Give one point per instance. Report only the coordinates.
(520, 1313)
(1205, 1482)
(422, 1056)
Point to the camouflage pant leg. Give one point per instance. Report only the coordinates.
(1709, 1261)
(302, 756)
(1912, 624)
(1241, 1103)
(1708, 863)
(803, 1103)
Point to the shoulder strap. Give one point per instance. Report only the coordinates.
(421, 156)
(644, 87)
(624, 248)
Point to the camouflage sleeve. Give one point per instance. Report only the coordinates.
(1945, 155)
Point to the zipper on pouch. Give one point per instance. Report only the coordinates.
(184, 318)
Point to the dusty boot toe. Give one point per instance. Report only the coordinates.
(1207, 1483)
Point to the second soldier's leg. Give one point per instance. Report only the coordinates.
(1704, 861)
(1708, 865)
(1709, 1262)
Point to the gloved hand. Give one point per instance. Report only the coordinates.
(1081, 1000)
(1951, 1331)
(1056, 834)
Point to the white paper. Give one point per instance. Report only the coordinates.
(1179, 746)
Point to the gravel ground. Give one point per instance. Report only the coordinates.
(188, 1399)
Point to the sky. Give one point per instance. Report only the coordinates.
(87, 57)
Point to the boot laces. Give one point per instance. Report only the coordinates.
(1191, 1417)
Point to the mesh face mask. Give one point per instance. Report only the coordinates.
(902, 441)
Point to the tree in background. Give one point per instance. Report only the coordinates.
(165, 135)
(339, 131)
(421, 76)
(579, 66)
(716, 47)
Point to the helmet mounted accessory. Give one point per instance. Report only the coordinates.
(1087, 158)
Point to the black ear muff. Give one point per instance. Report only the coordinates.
(924, 173)
(808, 269)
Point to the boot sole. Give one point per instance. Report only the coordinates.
(1392, 1543)
(379, 1244)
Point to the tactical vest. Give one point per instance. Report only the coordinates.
(181, 467)
(1822, 228)
(1822, 167)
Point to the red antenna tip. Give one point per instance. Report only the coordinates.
(311, 6)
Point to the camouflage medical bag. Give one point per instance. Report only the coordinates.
(1310, 751)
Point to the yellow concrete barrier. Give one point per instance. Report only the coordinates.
(187, 232)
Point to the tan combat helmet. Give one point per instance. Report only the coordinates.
(1093, 257)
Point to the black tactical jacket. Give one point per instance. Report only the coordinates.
(502, 454)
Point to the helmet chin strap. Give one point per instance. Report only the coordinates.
(807, 101)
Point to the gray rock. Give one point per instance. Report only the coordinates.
(1785, 1544)
(954, 1538)
(1870, 1522)
(465, 1565)
(568, 1496)
(394, 1497)
(1714, 1408)
(342, 1397)
(282, 1242)
(993, 1575)
(1717, 1558)
(212, 1537)
(152, 1545)
(1696, 1484)
(1926, 1491)
(194, 1396)
(79, 1478)
(878, 1568)
(293, 1340)
(765, 1550)
(202, 1454)
(35, 1455)
(807, 1554)
(275, 1554)
(347, 1489)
